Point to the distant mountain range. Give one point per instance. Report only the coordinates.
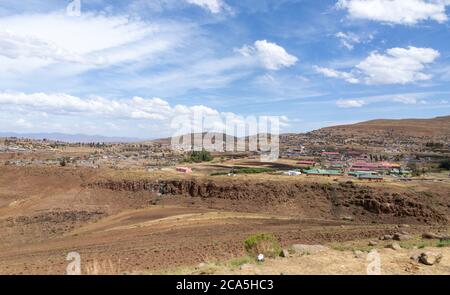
(71, 138)
(434, 127)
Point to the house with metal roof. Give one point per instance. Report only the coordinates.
(322, 172)
(370, 177)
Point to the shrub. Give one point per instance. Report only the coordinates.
(263, 243)
(198, 156)
(445, 164)
(245, 171)
(443, 243)
(252, 170)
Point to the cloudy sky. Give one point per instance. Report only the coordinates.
(128, 68)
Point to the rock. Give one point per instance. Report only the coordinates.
(260, 258)
(201, 265)
(415, 257)
(347, 218)
(359, 254)
(429, 258)
(401, 237)
(372, 243)
(284, 253)
(386, 238)
(394, 246)
(246, 266)
(430, 236)
(404, 225)
(308, 249)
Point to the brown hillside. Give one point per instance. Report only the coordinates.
(435, 127)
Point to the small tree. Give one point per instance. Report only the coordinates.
(445, 164)
(199, 156)
(262, 243)
(62, 162)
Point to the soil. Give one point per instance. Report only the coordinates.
(147, 224)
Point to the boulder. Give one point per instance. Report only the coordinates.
(308, 249)
(415, 257)
(373, 243)
(401, 237)
(430, 236)
(386, 237)
(359, 254)
(284, 253)
(394, 246)
(429, 258)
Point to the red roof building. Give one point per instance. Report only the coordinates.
(184, 169)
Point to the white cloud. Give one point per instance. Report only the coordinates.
(81, 43)
(270, 55)
(406, 12)
(410, 99)
(14, 47)
(21, 122)
(405, 99)
(68, 105)
(350, 103)
(68, 113)
(214, 6)
(348, 40)
(336, 74)
(397, 66)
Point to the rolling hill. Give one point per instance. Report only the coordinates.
(435, 127)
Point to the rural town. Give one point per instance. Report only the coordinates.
(224, 145)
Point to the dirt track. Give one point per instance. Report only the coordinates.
(146, 226)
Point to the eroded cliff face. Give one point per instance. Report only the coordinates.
(307, 200)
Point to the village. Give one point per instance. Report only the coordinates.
(147, 198)
(300, 155)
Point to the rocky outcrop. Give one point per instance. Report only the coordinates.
(356, 203)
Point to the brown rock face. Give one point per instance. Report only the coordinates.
(311, 200)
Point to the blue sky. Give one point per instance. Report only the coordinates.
(127, 68)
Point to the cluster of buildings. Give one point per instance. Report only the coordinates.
(351, 163)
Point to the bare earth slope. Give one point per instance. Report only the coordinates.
(150, 223)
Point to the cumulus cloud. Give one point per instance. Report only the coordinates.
(156, 115)
(214, 6)
(396, 11)
(350, 103)
(270, 55)
(336, 74)
(397, 66)
(64, 104)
